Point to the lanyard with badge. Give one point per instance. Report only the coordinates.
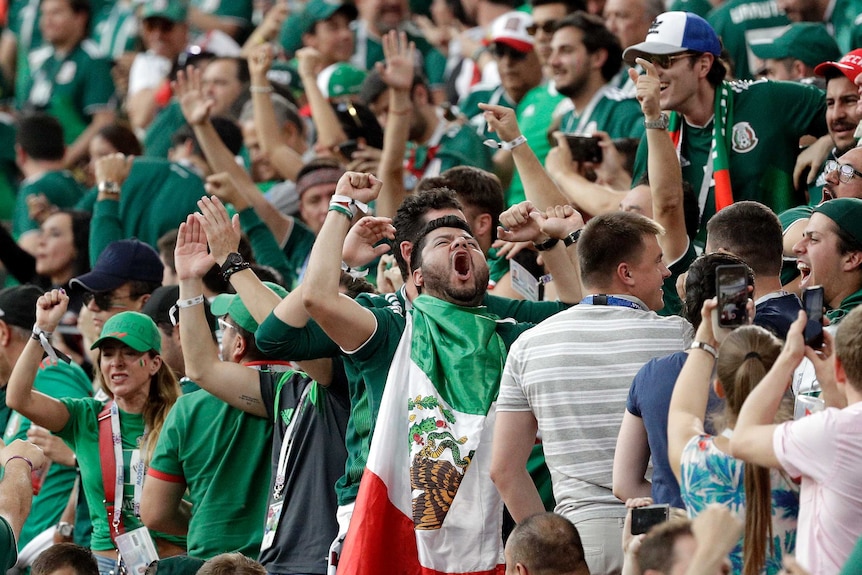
(273, 514)
(136, 547)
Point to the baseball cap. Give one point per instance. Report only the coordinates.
(172, 10)
(810, 42)
(131, 328)
(315, 11)
(18, 305)
(673, 33)
(850, 65)
(122, 261)
(231, 304)
(163, 299)
(510, 29)
(847, 215)
(340, 79)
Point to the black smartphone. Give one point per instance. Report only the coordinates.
(585, 148)
(731, 285)
(644, 518)
(812, 301)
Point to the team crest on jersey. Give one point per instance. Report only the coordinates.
(66, 73)
(743, 138)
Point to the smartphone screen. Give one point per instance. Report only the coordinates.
(585, 148)
(812, 301)
(732, 289)
(644, 518)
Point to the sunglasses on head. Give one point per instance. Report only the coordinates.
(501, 50)
(546, 27)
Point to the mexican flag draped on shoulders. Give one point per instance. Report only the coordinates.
(426, 504)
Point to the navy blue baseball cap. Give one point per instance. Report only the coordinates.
(121, 262)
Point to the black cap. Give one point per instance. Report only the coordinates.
(121, 262)
(158, 307)
(18, 305)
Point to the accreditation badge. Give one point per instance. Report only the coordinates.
(273, 515)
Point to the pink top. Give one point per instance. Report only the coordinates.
(825, 449)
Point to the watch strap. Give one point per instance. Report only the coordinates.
(572, 238)
(546, 245)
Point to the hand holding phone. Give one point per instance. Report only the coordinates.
(644, 518)
(731, 286)
(585, 148)
(812, 301)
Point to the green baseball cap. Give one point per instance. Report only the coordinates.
(847, 215)
(315, 11)
(809, 42)
(231, 304)
(340, 79)
(172, 10)
(133, 329)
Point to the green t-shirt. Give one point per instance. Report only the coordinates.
(476, 118)
(168, 120)
(614, 112)
(156, 198)
(58, 381)
(699, 7)
(59, 187)
(453, 144)
(738, 22)
(81, 433)
(71, 88)
(223, 455)
(537, 112)
(762, 151)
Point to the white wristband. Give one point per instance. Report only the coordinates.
(351, 204)
(522, 139)
(197, 300)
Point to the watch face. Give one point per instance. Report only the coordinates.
(233, 258)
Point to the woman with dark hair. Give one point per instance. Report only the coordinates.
(142, 389)
(113, 138)
(701, 462)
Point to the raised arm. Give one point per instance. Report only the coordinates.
(283, 158)
(755, 426)
(237, 385)
(345, 321)
(19, 458)
(539, 188)
(665, 175)
(691, 392)
(39, 408)
(329, 130)
(398, 74)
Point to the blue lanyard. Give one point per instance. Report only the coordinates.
(602, 299)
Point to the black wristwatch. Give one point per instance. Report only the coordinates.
(572, 238)
(546, 245)
(234, 263)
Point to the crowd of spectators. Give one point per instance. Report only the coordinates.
(359, 287)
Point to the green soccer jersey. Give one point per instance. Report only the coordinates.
(452, 144)
(296, 250)
(762, 152)
(155, 199)
(539, 109)
(738, 22)
(70, 87)
(115, 29)
(57, 381)
(369, 51)
(81, 433)
(610, 111)
(24, 23)
(845, 23)
(699, 7)
(59, 187)
(222, 455)
(475, 116)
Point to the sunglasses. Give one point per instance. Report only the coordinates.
(104, 300)
(225, 325)
(546, 27)
(500, 51)
(845, 171)
(666, 61)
